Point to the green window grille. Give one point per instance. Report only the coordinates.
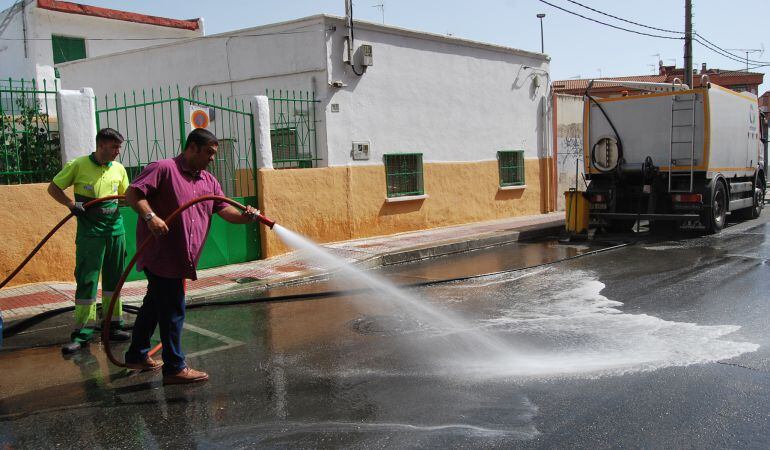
(287, 153)
(511, 163)
(67, 48)
(403, 174)
(293, 129)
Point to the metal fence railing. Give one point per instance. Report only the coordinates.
(293, 129)
(155, 124)
(29, 133)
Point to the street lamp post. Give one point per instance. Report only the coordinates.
(542, 46)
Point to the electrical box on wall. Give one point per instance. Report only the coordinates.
(364, 55)
(360, 150)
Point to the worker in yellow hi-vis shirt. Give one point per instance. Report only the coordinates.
(100, 244)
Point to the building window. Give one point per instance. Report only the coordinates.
(403, 174)
(67, 48)
(288, 153)
(511, 164)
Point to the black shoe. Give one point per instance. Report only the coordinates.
(118, 335)
(73, 347)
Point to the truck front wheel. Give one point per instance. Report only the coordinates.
(759, 201)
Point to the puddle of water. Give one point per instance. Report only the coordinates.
(406, 303)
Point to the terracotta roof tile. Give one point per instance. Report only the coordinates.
(106, 13)
(715, 76)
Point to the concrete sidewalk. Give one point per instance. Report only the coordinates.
(252, 277)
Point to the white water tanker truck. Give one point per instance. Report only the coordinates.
(675, 156)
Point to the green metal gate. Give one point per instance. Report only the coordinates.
(155, 125)
(29, 132)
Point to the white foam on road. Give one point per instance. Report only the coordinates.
(560, 324)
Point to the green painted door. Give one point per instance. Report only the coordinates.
(227, 243)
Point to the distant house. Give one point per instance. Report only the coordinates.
(764, 102)
(39, 34)
(736, 80)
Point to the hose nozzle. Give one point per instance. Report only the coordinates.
(269, 223)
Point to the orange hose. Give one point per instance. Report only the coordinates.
(51, 233)
(140, 249)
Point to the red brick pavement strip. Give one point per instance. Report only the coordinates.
(38, 298)
(20, 302)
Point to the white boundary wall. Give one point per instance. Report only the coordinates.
(569, 145)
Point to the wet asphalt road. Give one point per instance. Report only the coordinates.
(662, 343)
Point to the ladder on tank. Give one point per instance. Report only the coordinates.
(681, 152)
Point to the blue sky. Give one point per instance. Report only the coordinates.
(577, 47)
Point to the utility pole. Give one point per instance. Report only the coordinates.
(688, 43)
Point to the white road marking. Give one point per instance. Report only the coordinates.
(229, 343)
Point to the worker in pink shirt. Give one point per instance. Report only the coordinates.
(173, 255)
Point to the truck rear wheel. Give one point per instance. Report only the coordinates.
(715, 221)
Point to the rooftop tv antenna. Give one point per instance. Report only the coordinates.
(381, 7)
(747, 51)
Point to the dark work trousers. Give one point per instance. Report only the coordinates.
(163, 306)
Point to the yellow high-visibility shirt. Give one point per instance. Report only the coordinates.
(93, 180)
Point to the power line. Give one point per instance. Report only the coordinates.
(624, 20)
(729, 55)
(726, 51)
(610, 25)
(702, 41)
